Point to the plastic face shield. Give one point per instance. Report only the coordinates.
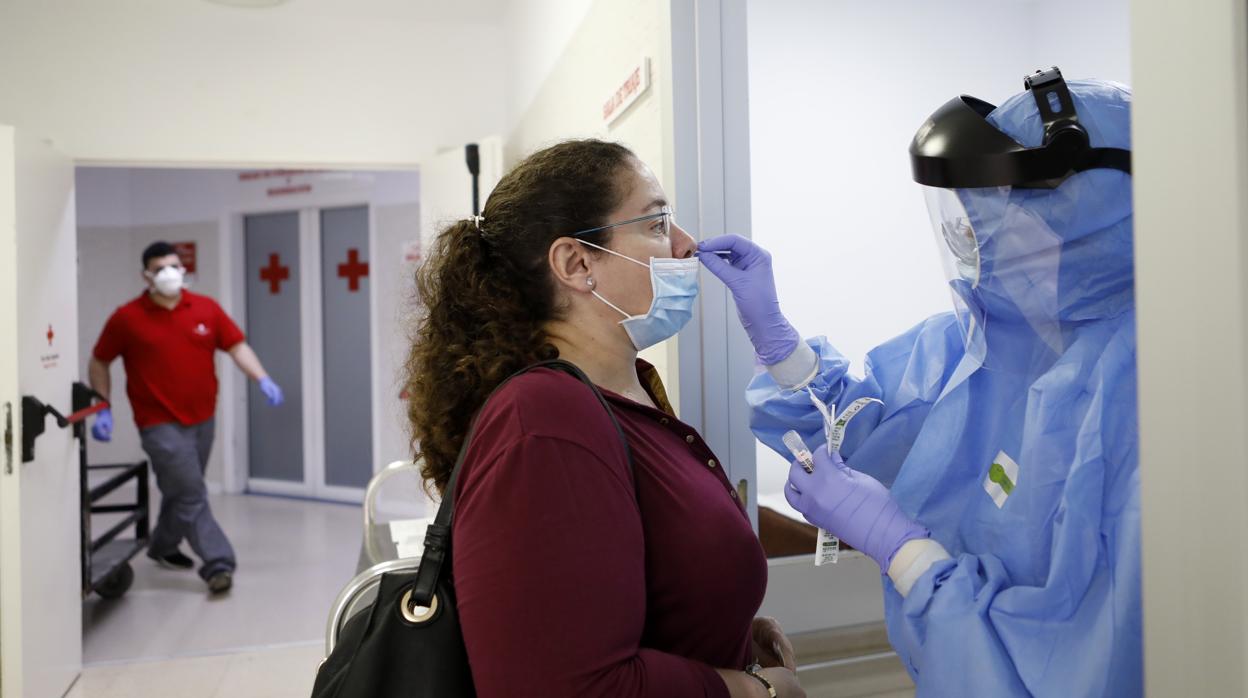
(997, 210)
(1003, 260)
(955, 236)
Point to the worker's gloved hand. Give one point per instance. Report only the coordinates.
(271, 391)
(852, 506)
(747, 274)
(102, 430)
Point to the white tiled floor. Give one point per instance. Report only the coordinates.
(272, 673)
(167, 638)
(293, 558)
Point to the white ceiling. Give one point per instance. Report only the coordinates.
(353, 82)
(425, 11)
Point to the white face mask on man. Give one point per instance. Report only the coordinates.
(167, 281)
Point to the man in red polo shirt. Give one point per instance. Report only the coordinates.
(167, 338)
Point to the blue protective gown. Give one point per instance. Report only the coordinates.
(1042, 594)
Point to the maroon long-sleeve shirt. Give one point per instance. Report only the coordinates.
(571, 584)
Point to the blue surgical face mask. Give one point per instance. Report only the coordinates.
(675, 285)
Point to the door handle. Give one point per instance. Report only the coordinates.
(33, 414)
(8, 438)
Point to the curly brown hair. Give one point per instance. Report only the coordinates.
(488, 293)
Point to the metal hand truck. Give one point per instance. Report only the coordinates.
(105, 560)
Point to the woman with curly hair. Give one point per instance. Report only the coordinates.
(574, 575)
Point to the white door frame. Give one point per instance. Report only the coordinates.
(710, 152)
(11, 617)
(1190, 161)
(710, 149)
(234, 390)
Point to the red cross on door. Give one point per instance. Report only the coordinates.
(353, 270)
(275, 274)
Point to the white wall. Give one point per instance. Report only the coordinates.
(594, 62)
(1084, 39)
(122, 210)
(597, 58)
(367, 82)
(446, 185)
(837, 90)
(538, 32)
(159, 196)
(398, 227)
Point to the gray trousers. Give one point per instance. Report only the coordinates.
(179, 455)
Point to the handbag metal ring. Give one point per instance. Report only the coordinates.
(417, 614)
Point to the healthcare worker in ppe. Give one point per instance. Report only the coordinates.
(995, 481)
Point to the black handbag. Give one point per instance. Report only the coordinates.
(409, 643)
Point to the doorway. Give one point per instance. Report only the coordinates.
(315, 267)
(307, 276)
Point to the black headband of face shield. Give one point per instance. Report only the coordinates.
(957, 147)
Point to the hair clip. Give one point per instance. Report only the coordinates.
(478, 220)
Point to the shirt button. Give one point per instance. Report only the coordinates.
(689, 439)
(734, 494)
(711, 463)
(665, 421)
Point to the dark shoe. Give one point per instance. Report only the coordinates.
(220, 582)
(174, 560)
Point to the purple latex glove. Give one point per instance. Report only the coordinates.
(271, 391)
(852, 506)
(747, 274)
(102, 430)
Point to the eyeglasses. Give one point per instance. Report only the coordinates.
(666, 215)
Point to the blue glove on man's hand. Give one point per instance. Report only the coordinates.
(271, 391)
(747, 274)
(102, 430)
(852, 506)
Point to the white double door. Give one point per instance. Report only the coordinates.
(308, 314)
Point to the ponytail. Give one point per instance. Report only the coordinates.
(487, 292)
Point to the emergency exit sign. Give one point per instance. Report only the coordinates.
(628, 92)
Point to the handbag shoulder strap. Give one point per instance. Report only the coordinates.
(437, 553)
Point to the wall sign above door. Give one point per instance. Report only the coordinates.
(634, 86)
